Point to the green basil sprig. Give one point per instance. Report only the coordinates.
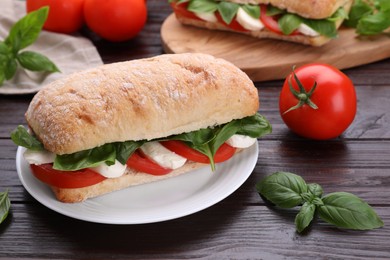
(342, 209)
(22, 34)
(369, 17)
(206, 141)
(5, 205)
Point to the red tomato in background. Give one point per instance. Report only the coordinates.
(64, 16)
(334, 96)
(115, 20)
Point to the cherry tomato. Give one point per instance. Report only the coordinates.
(271, 22)
(181, 9)
(66, 179)
(115, 20)
(64, 16)
(334, 96)
(141, 163)
(224, 152)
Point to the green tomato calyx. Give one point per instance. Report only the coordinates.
(302, 95)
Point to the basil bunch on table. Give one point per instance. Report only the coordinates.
(22, 34)
(342, 209)
(5, 205)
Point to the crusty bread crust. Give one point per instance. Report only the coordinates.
(141, 99)
(130, 178)
(313, 9)
(264, 33)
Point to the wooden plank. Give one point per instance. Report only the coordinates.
(271, 59)
(233, 231)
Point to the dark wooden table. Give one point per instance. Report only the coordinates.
(241, 226)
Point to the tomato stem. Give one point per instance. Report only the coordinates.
(302, 95)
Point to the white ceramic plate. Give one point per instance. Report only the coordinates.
(153, 202)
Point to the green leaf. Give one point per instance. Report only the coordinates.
(10, 68)
(36, 62)
(323, 27)
(125, 149)
(2, 77)
(228, 10)
(254, 126)
(289, 23)
(21, 137)
(284, 189)
(24, 32)
(202, 6)
(346, 210)
(358, 10)
(86, 159)
(5, 205)
(305, 216)
(272, 11)
(374, 23)
(252, 10)
(315, 189)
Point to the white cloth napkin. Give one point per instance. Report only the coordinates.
(70, 53)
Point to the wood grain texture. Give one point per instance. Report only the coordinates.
(264, 59)
(242, 226)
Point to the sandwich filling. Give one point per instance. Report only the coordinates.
(250, 18)
(156, 157)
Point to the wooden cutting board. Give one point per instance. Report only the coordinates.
(264, 59)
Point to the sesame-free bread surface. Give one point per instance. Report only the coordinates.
(141, 99)
(312, 9)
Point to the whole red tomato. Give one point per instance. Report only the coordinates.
(323, 107)
(64, 16)
(115, 20)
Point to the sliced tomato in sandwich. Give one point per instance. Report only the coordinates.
(271, 22)
(66, 179)
(181, 9)
(141, 163)
(224, 152)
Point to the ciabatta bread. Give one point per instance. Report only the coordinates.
(141, 99)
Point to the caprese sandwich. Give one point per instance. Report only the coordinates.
(129, 123)
(310, 22)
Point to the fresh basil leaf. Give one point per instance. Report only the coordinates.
(383, 5)
(289, 23)
(24, 32)
(254, 126)
(228, 10)
(252, 10)
(86, 159)
(21, 137)
(340, 14)
(272, 11)
(346, 210)
(10, 68)
(315, 189)
(284, 189)
(358, 10)
(374, 23)
(125, 149)
(323, 27)
(36, 62)
(305, 216)
(202, 6)
(5, 205)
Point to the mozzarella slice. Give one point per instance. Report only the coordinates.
(248, 22)
(162, 156)
(38, 157)
(306, 30)
(112, 171)
(241, 141)
(209, 17)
